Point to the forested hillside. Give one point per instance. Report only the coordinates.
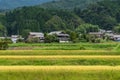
(38, 19)
(104, 15)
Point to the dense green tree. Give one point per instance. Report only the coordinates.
(2, 30)
(25, 33)
(105, 14)
(73, 35)
(32, 18)
(117, 29)
(40, 20)
(86, 28)
(51, 38)
(55, 24)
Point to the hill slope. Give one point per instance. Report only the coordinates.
(68, 4)
(11, 4)
(105, 14)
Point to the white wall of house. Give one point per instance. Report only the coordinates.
(64, 41)
(14, 40)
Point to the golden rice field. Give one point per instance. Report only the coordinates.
(61, 62)
(52, 68)
(60, 57)
(59, 73)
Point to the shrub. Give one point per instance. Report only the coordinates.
(97, 40)
(9, 41)
(51, 38)
(20, 40)
(82, 48)
(33, 40)
(3, 45)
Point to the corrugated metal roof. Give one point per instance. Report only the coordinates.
(55, 32)
(37, 34)
(58, 33)
(96, 33)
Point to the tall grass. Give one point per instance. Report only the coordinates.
(56, 73)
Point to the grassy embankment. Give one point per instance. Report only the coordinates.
(66, 46)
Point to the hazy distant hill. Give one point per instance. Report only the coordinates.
(11, 4)
(68, 4)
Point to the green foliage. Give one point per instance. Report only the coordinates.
(25, 33)
(61, 61)
(2, 18)
(104, 14)
(54, 24)
(20, 40)
(86, 28)
(82, 48)
(32, 40)
(2, 30)
(26, 18)
(67, 46)
(51, 38)
(117, 29)
(20, 21)
(9, 41)
(73, 36)
(94, 39)
(3, 44)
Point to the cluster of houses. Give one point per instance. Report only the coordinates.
(63, 37)
(103, 33)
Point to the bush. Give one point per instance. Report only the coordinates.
(82, 48)
(51, 38)
(33, 40)
(98, 40)
(3, 45)
(20, 40)
(76, 40)
(9, 41)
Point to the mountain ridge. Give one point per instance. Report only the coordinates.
(68, 4)
(11, 4)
